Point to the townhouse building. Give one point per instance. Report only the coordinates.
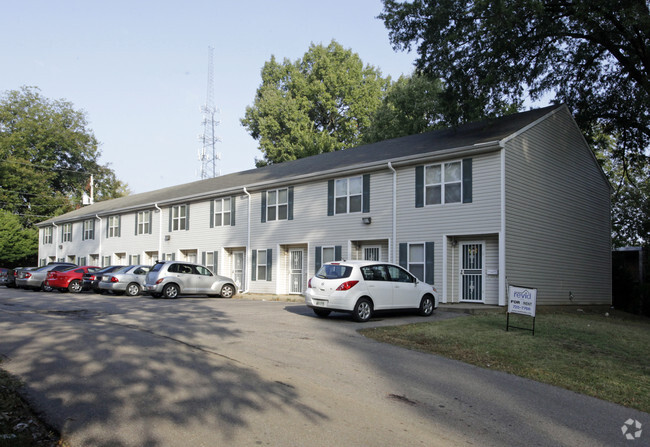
(518, 200)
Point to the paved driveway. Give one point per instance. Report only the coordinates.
(119, 371)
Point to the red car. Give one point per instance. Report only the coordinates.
(69, 280)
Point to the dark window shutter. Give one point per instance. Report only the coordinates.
(290, 199)
(150, 222)
(203, 258)
(215, 262)
(254, 262)
(428, 262)
(330, 197)
(263, 211)
(232, 210)
(269, 264)
(212, 213)
(403, 255)
(107, 226)
(467, 180)
(136, 223)
(187, 217)
(318, 259)
(337, 253)
(119, 226)
(366, 193)
(174, 256)
(171, 211)
(419, 186)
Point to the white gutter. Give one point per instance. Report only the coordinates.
(159, 231)
(503, 289)
(56, 243)
(392, 253)
(248, 242)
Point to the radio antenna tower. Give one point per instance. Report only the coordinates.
(208, 155)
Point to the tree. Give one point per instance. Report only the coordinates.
(594, 56)
(411, 106)
(322, 102)
(16, 243)
(48, 154)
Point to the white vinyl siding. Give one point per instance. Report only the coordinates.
(557, 215)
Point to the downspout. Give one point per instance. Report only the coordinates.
(56, 243)
(100, 238)
(392, 252)
(159, 231)
(248, 241)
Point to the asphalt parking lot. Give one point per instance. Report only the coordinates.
(122, 371)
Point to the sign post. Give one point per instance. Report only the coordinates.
(523, 301)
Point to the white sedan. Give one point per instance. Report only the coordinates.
(363, 287)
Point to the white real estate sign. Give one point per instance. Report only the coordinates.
(522, 300)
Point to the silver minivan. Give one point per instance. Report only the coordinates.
(169, 279)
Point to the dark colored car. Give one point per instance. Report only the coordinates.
(68, 280)
(12, 274)
(90, 280)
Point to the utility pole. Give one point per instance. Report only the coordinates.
(208, 155)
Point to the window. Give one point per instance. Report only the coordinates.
(328, 254)
(179, 218)
(113, 228)
(418, 258)
(222, 212)
(82, 261)
(88, 229)
(66, 232)
(277, 204)
(134, 259)
(261, 264)
(348, 194)
(47, 235)
(143, 222)
(443, 183)
(106, 261)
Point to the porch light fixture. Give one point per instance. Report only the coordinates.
(366, 220)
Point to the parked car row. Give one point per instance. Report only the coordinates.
(167, 279)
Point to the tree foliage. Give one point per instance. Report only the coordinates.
(322, 102)
(16, 243)
(48, 153)
(593, 56)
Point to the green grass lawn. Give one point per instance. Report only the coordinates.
(607, 357)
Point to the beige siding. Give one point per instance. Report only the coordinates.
(557, 215)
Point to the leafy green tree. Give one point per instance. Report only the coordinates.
(48, 153)
(16, 243)
(592, 55)
(322, 102)
(411, 106)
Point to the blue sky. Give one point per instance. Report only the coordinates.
(139, 69)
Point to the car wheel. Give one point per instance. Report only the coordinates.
(170, 291)
(426, 306)
(227, 291)
(74, 286)
(362, 310)
(322, 312)
(133, 289)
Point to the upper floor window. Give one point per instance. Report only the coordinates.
(222, 209)
(348, 195)
(179, 218)
(443, 183)
(47, 235)
(143, 222)
(88, 229)
(277, 204)
(66, 232)
(113, 227)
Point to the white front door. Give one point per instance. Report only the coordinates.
(472, 271)
(295, 271)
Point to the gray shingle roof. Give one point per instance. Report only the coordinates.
(482, 132)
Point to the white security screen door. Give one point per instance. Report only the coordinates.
(472, 271)
(238, 269)
(295, 273)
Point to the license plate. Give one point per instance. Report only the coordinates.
(321, 303)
